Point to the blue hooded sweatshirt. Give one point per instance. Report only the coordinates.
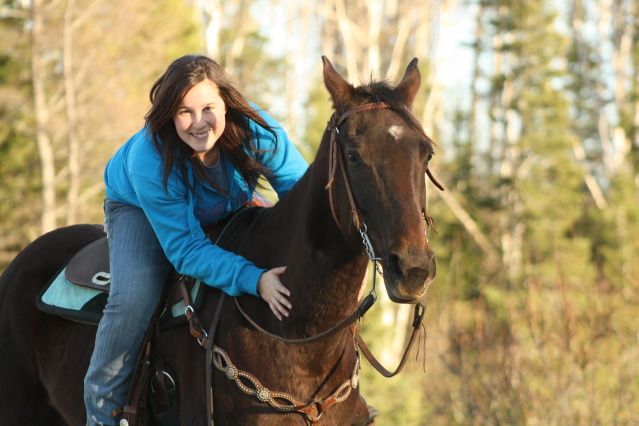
(134, 176)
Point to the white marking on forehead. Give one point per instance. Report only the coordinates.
(396, 131)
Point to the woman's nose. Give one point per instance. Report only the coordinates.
(196, 118)
(200, 119)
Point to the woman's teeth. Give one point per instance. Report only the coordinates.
(200, 134)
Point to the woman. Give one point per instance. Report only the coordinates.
(197, 160)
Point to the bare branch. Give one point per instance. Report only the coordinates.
(478, 236)
(87, 12)
(403, 31)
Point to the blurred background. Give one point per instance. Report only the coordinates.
(534, 105)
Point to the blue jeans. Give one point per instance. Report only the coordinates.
(139, 271)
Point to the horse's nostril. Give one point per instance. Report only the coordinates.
(395, 263)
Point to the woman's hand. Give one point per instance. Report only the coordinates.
(274, 292)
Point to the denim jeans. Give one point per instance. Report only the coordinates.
(139, 271)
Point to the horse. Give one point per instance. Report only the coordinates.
(364, 195)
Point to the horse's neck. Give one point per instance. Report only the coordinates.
(329, 263)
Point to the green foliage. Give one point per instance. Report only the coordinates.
(553, 343)
(116, 58)
(19, 166)
(319, 107)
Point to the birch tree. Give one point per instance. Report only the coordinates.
(71, 114)
(42, 113)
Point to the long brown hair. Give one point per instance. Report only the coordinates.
(167, 93)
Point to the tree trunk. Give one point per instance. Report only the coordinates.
(71, 115)
(424, 42)
(351, 51)
(397, 54)
(375, 18)
(474, 95)
(211, 12)
(244, 25)
(299, 20)
(45, 149)
(578, 149)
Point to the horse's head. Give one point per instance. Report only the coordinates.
(386, 154)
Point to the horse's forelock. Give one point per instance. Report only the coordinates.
(382, 91)
(377, 91)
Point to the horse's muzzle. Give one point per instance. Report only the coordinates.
(407, 276)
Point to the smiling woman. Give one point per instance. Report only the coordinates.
(194, 163)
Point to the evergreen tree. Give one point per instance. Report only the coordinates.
(18, 155)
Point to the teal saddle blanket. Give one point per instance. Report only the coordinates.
(83, 304)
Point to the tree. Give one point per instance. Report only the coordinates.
(19, 167)
(81, 101)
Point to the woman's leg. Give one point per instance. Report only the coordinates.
(139, 271)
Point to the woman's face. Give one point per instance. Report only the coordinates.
(200, 119)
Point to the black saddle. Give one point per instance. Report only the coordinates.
(90, 266)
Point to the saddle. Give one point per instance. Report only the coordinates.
(79, 291)
(90, 266)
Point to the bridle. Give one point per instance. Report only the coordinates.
(336, 156)
(312, 410)
(336, 159)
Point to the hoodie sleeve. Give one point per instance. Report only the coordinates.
(278, 154)
(191, 253)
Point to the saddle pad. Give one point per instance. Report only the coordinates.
(85, 305)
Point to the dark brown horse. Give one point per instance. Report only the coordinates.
(374, 166)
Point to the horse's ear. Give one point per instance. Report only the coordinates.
(339, 88)
(410, 83)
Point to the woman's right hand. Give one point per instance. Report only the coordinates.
(271, 289)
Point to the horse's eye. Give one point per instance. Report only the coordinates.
(353, 158)
(429, 157)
